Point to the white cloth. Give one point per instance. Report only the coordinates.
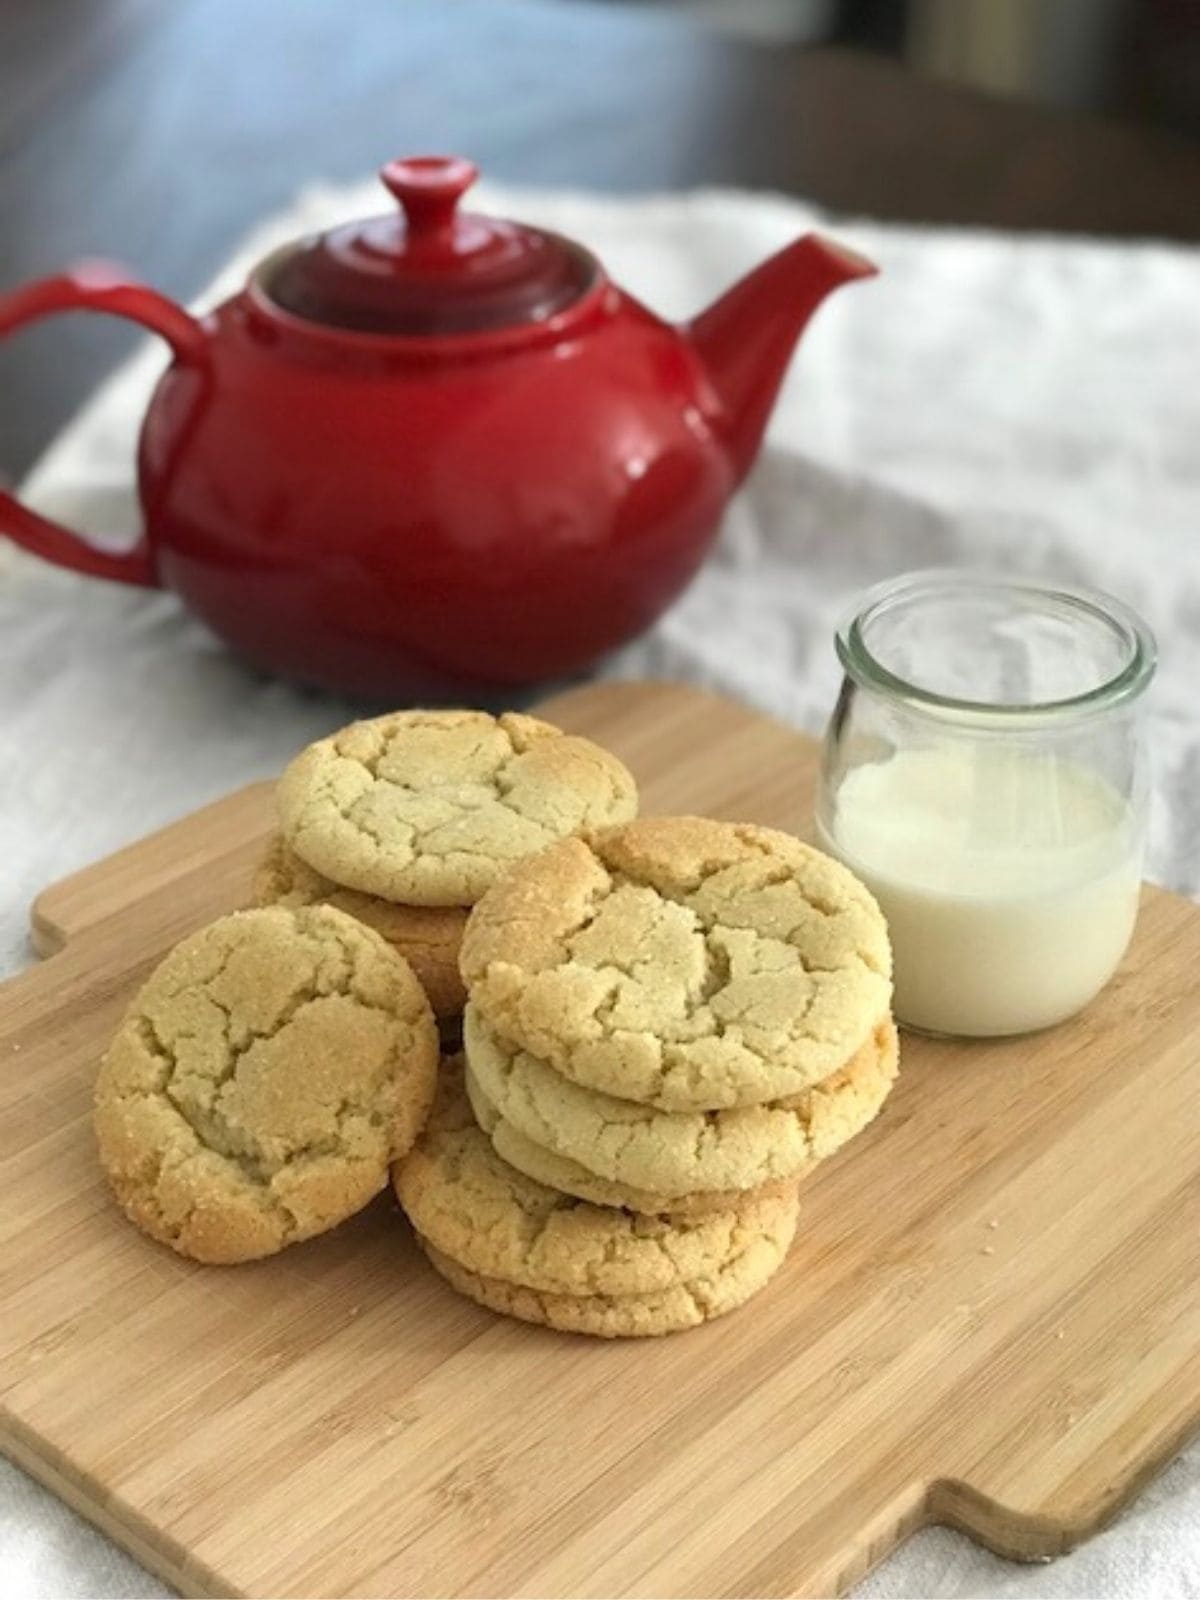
(990, 400)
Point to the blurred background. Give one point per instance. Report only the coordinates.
(158, 131)
(1135, 58)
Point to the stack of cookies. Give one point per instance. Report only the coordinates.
(403, 822)
(670, 1022)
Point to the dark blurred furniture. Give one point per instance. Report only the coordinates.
(1137, 59)
(157, 131)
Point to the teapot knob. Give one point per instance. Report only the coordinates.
(429, 188)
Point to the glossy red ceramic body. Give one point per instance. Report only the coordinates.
(482, 512)
(436, 456)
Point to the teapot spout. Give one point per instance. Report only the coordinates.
(745, 340)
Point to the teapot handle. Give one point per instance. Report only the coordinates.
(93, 286)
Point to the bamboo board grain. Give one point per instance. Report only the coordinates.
(990, 1317)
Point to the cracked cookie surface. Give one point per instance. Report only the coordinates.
(668, 1152)
(686, 1304)
(560, 1172)
(468, 1203)
(682, 962)
(428, 937)
(262, 1080)
(429, 807)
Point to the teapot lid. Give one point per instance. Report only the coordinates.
(433, 271)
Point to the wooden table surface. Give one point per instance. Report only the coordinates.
(157, 131)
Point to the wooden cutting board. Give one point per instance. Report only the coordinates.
(990, 1317)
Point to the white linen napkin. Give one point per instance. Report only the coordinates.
(989, 400)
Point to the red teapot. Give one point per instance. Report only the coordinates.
(436, 453)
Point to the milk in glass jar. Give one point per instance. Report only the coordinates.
(984, 775)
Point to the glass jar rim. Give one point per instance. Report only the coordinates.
(1122, 687)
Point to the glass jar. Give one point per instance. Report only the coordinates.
(984, 775)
